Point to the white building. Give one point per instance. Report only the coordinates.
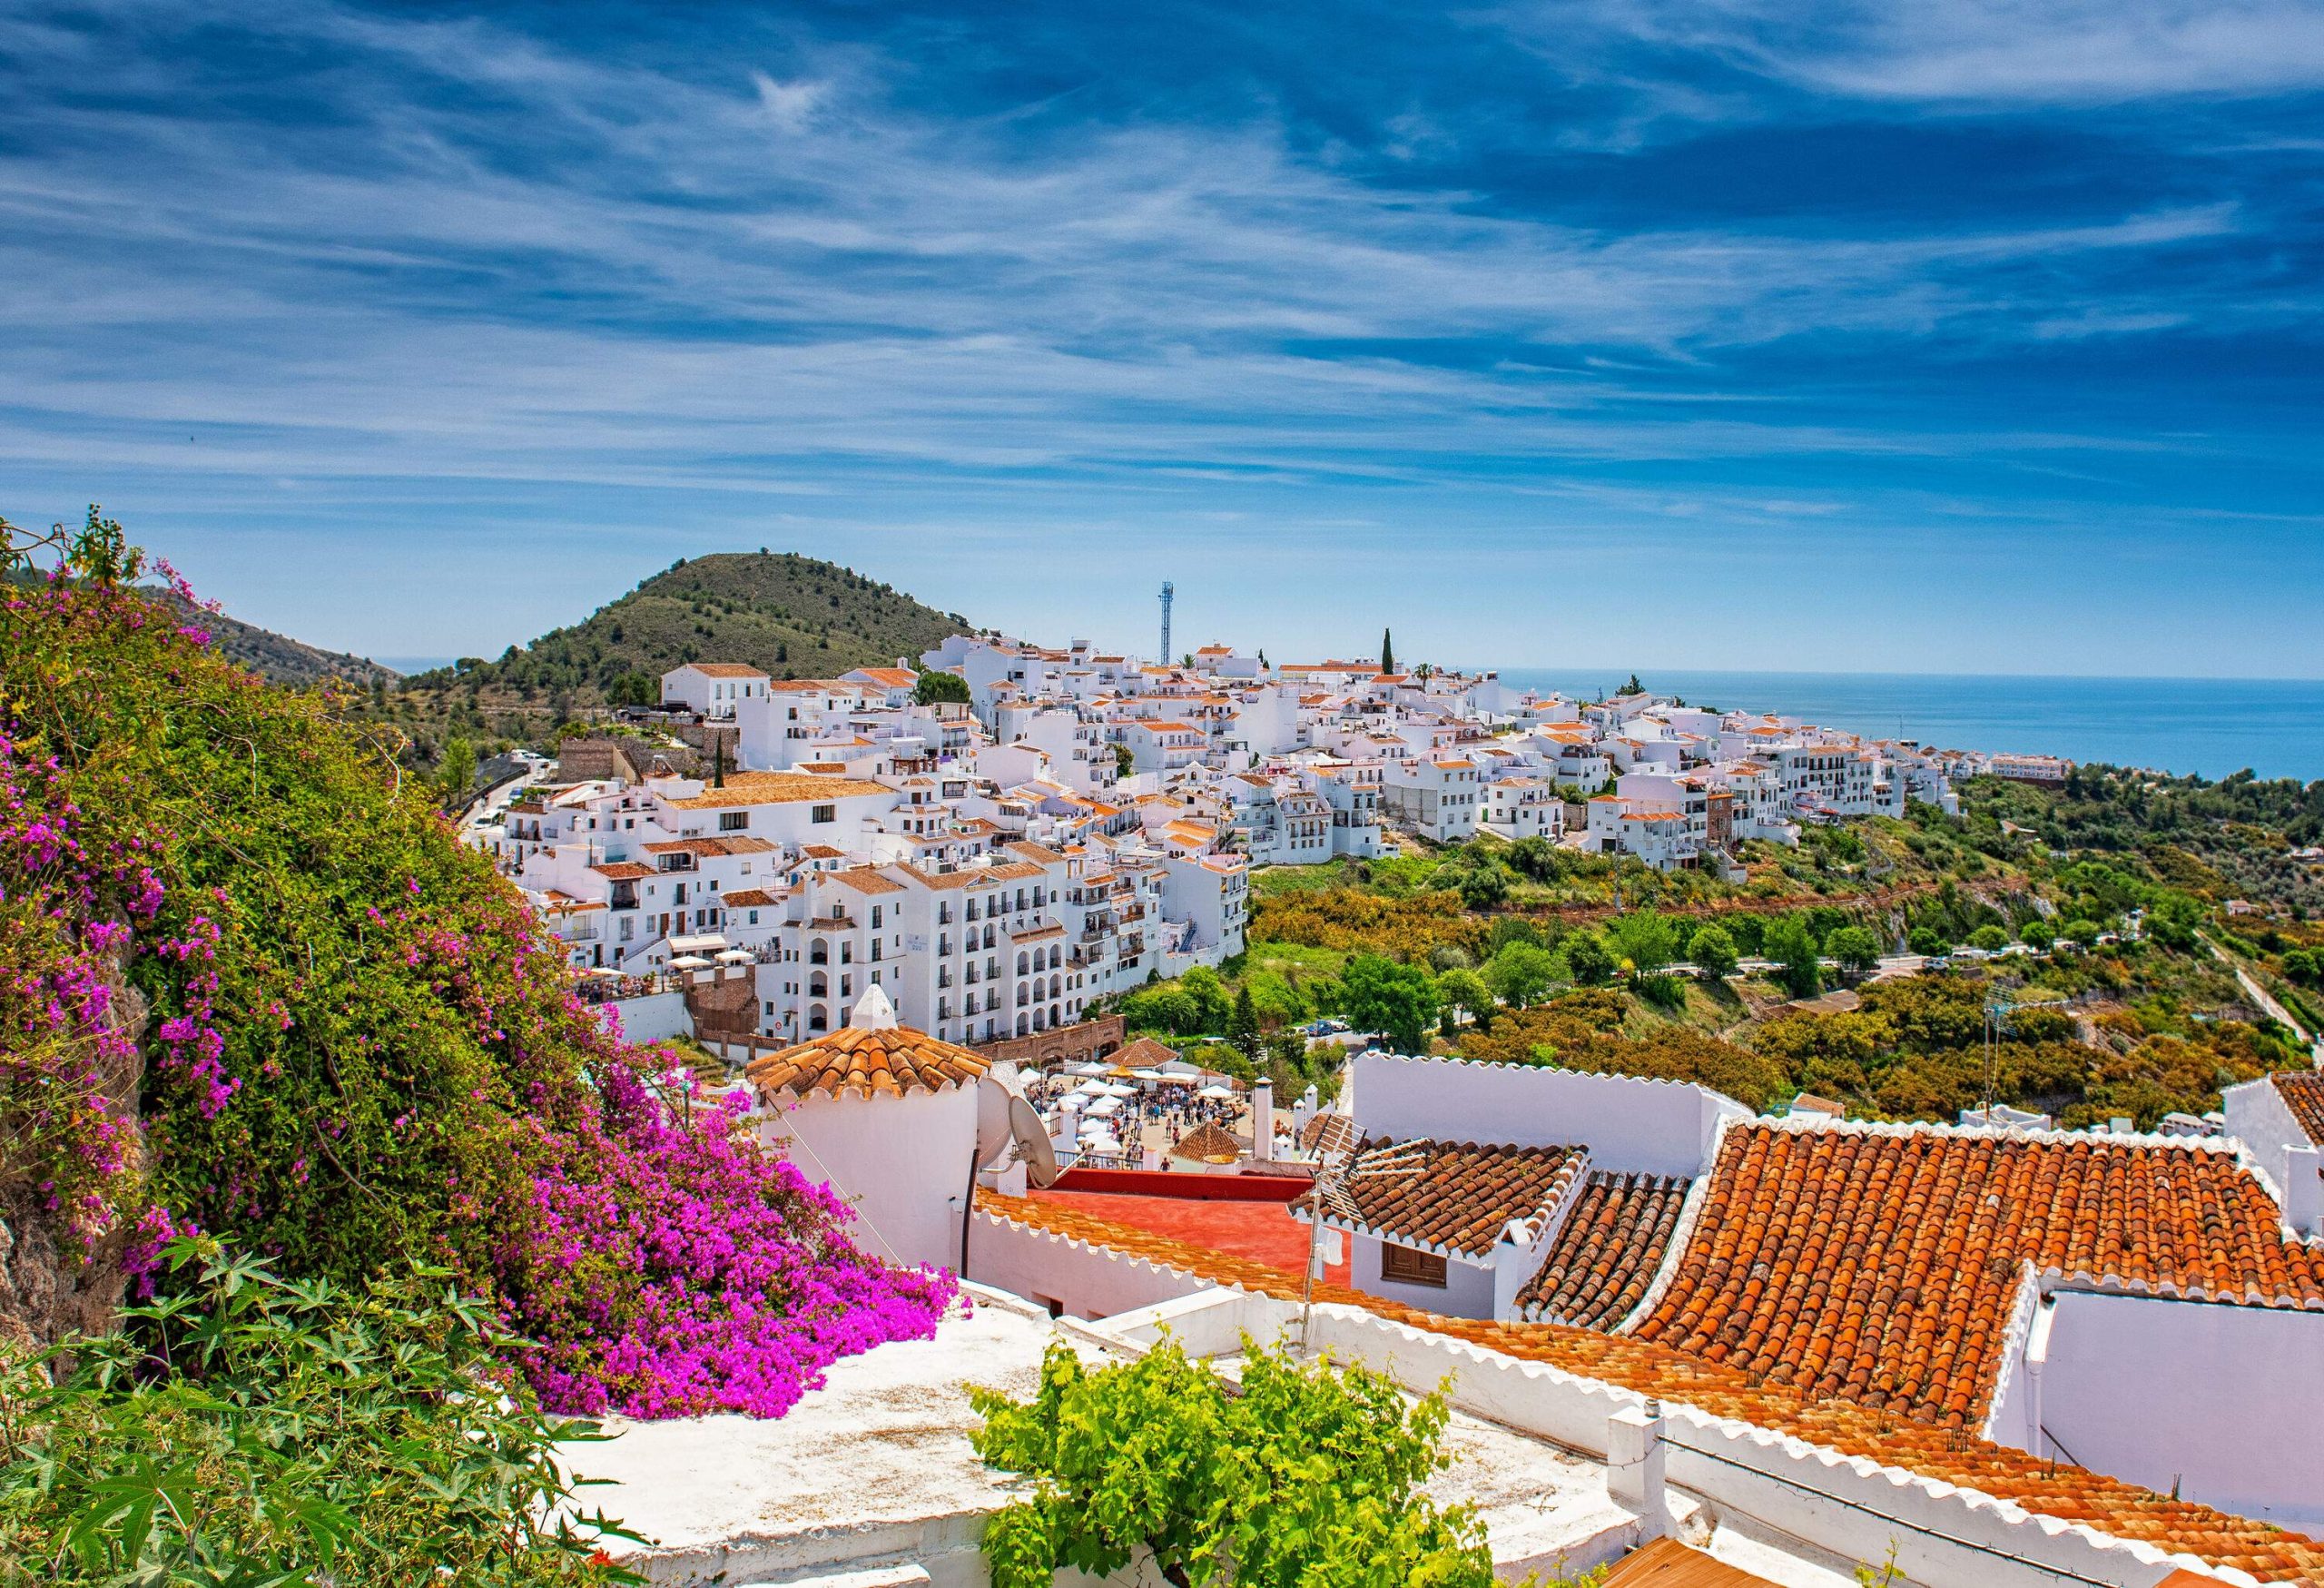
(1440, 799)
(713, 689)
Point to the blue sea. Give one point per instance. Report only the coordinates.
(2214, 726)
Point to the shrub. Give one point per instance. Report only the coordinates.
(253, 1430)
(1306, 1475)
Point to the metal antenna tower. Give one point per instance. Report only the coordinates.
(1164, 657)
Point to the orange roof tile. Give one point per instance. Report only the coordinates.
(891, 1061)
(778, 788)
(1206, 1143)
(1607, 1251)
(1881, 1265)
(1463, 1195)
(2304, 1095)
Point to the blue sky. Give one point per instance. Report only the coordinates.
(1744, 333)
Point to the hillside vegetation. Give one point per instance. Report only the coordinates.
(793, 616)
(2135, 902)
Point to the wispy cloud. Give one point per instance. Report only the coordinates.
(829, 261)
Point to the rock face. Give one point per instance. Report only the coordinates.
(48, 1288)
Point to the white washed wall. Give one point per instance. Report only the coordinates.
(903, 1161)
(653, 1017)
(2228, 1402)
(1089, 1281)
(1630, 1126)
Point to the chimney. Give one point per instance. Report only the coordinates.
(1634, 1462)
(1263, 1122)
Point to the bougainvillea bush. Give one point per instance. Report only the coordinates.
(355, 1049)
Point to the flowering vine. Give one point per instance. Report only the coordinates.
(360, 1049)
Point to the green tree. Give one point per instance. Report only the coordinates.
(1647, 940)
(1309, 1474)
(1712, 950)
(1387, 653)
(1588, 958)
(1792, 947)
(1473, 870)
(1989, 938)
(635, 689)
(457, 772)
(940, 689)
(2037, 933)
(1929, 940)
(1243, 1026)
(1378, 995)
(1465, 990)
(1855, 947)
(1521, 974)
(2083, 931)
(1163, 1009)
(1213, 1006)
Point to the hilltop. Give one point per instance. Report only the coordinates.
(796, 617)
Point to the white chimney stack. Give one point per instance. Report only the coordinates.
(1263, 1122)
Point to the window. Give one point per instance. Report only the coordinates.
(875, 918)
(824, 813)
(733, 821)
(1405, 1266)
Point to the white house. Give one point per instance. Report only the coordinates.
(1440, 798)
(713, 688)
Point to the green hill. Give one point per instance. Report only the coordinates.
(796, 616)
(293, 663)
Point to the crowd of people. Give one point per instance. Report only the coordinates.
(1156, 1114)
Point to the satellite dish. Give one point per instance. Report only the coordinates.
(1032, 1142)
(993, 1121)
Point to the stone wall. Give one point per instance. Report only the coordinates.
(1074, 1044)
(724, 1010)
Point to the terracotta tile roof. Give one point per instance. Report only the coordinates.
(748, 899)
(708, 848)
(1881, 1264)
(724, 669)
(854, 1059)
(1206, 1143)
(1607, 1251)
(1143, 1054)
(2050, 1488)
(2304, 1095)
(864, 880)
(1463, 1194)
(778, 788)
(623, 871)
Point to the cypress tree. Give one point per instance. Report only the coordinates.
(1387, 653)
